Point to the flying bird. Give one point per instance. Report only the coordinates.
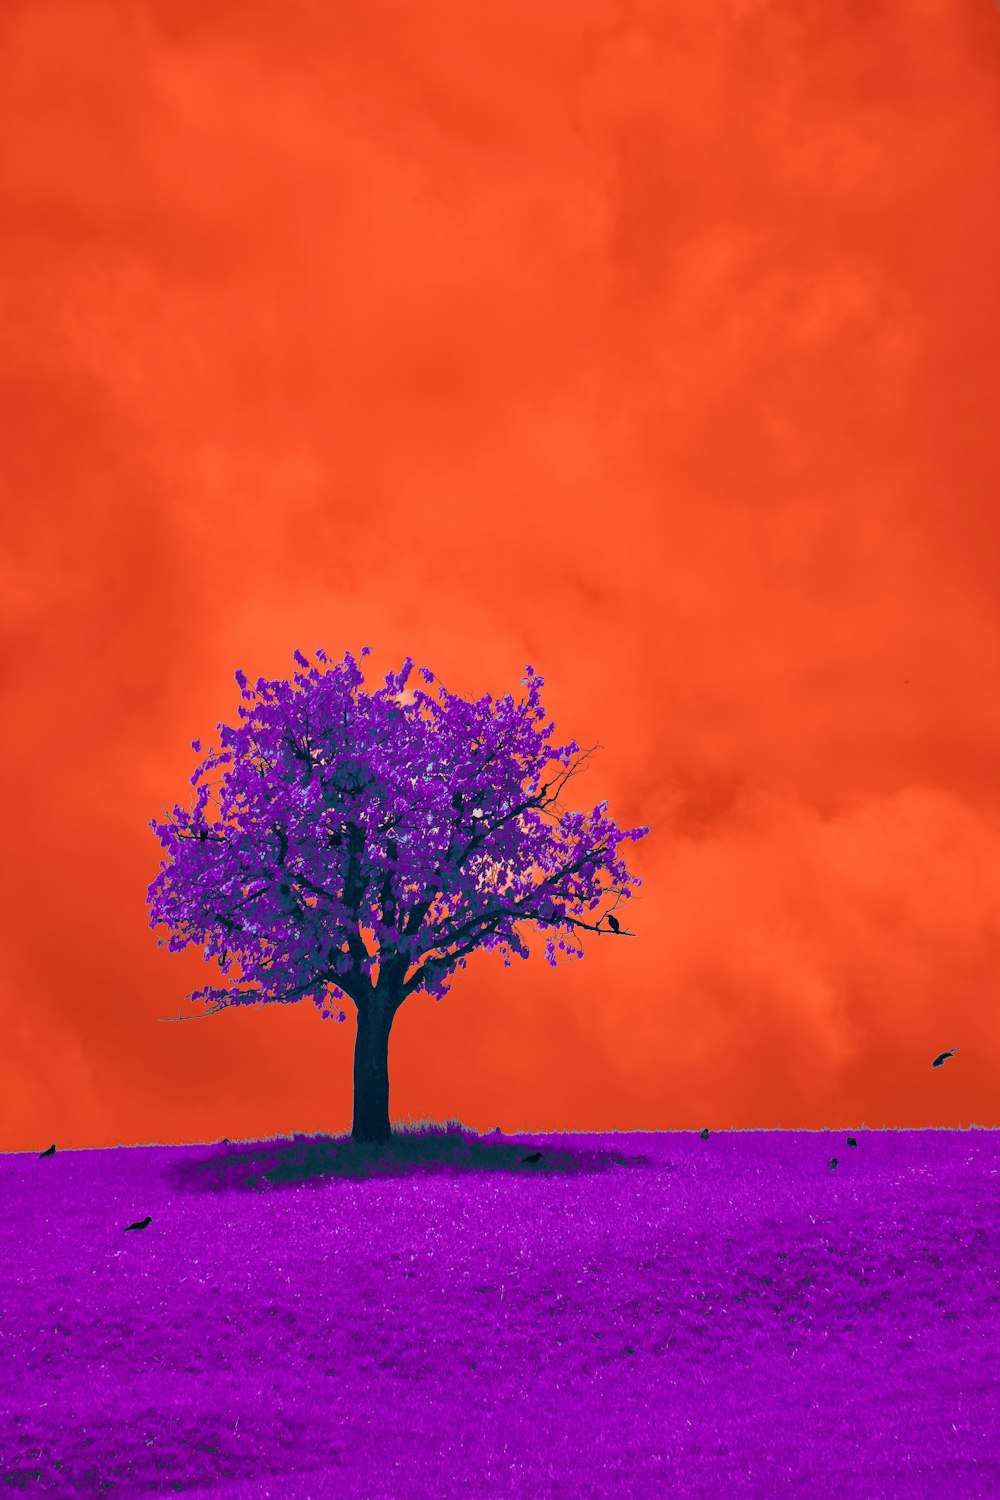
(50, 1152)
(613, 923)
(833, 1161)
(704, 1134)
(535, 1156)
(851, 1141)
(944, 1056)
(142, 1224)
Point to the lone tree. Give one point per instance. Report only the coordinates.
(364, 846)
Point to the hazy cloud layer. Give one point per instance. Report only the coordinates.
(654, 346)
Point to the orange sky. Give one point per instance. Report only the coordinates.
(655, 345)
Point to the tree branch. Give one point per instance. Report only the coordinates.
(441, 939)
(286, 999)
(170, 1020)
(480, 926)
(540, 801)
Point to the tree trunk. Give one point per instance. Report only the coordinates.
(371, 1071)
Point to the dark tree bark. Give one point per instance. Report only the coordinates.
(371, 1070)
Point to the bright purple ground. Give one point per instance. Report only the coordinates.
(636, 1316)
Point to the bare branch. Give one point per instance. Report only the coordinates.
(441, 939)
(170, 1020)
(477, 927)
(289, 997)
(447, 961)
(417, 914)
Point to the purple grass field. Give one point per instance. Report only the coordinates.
(637, 1315)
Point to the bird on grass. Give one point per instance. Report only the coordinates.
(613, 923)
(50, 1152)
(535, 1156)
(851, 1141)
(944, 1056)
(142, 1224)
(704, 1134)
(833, 1161)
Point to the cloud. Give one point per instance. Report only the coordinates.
(652, 346)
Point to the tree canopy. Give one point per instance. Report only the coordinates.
(425, 824)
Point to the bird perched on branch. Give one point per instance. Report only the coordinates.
(944, 1056)
(613, 923)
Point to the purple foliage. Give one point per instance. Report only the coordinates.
(425, 823)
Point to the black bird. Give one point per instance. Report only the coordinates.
(704, 1134)
(851, 1141)
(944, 1056)
(613, 923)
(535, 1156)
(142, 1224)
(50, 1152)
(833, 1161)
